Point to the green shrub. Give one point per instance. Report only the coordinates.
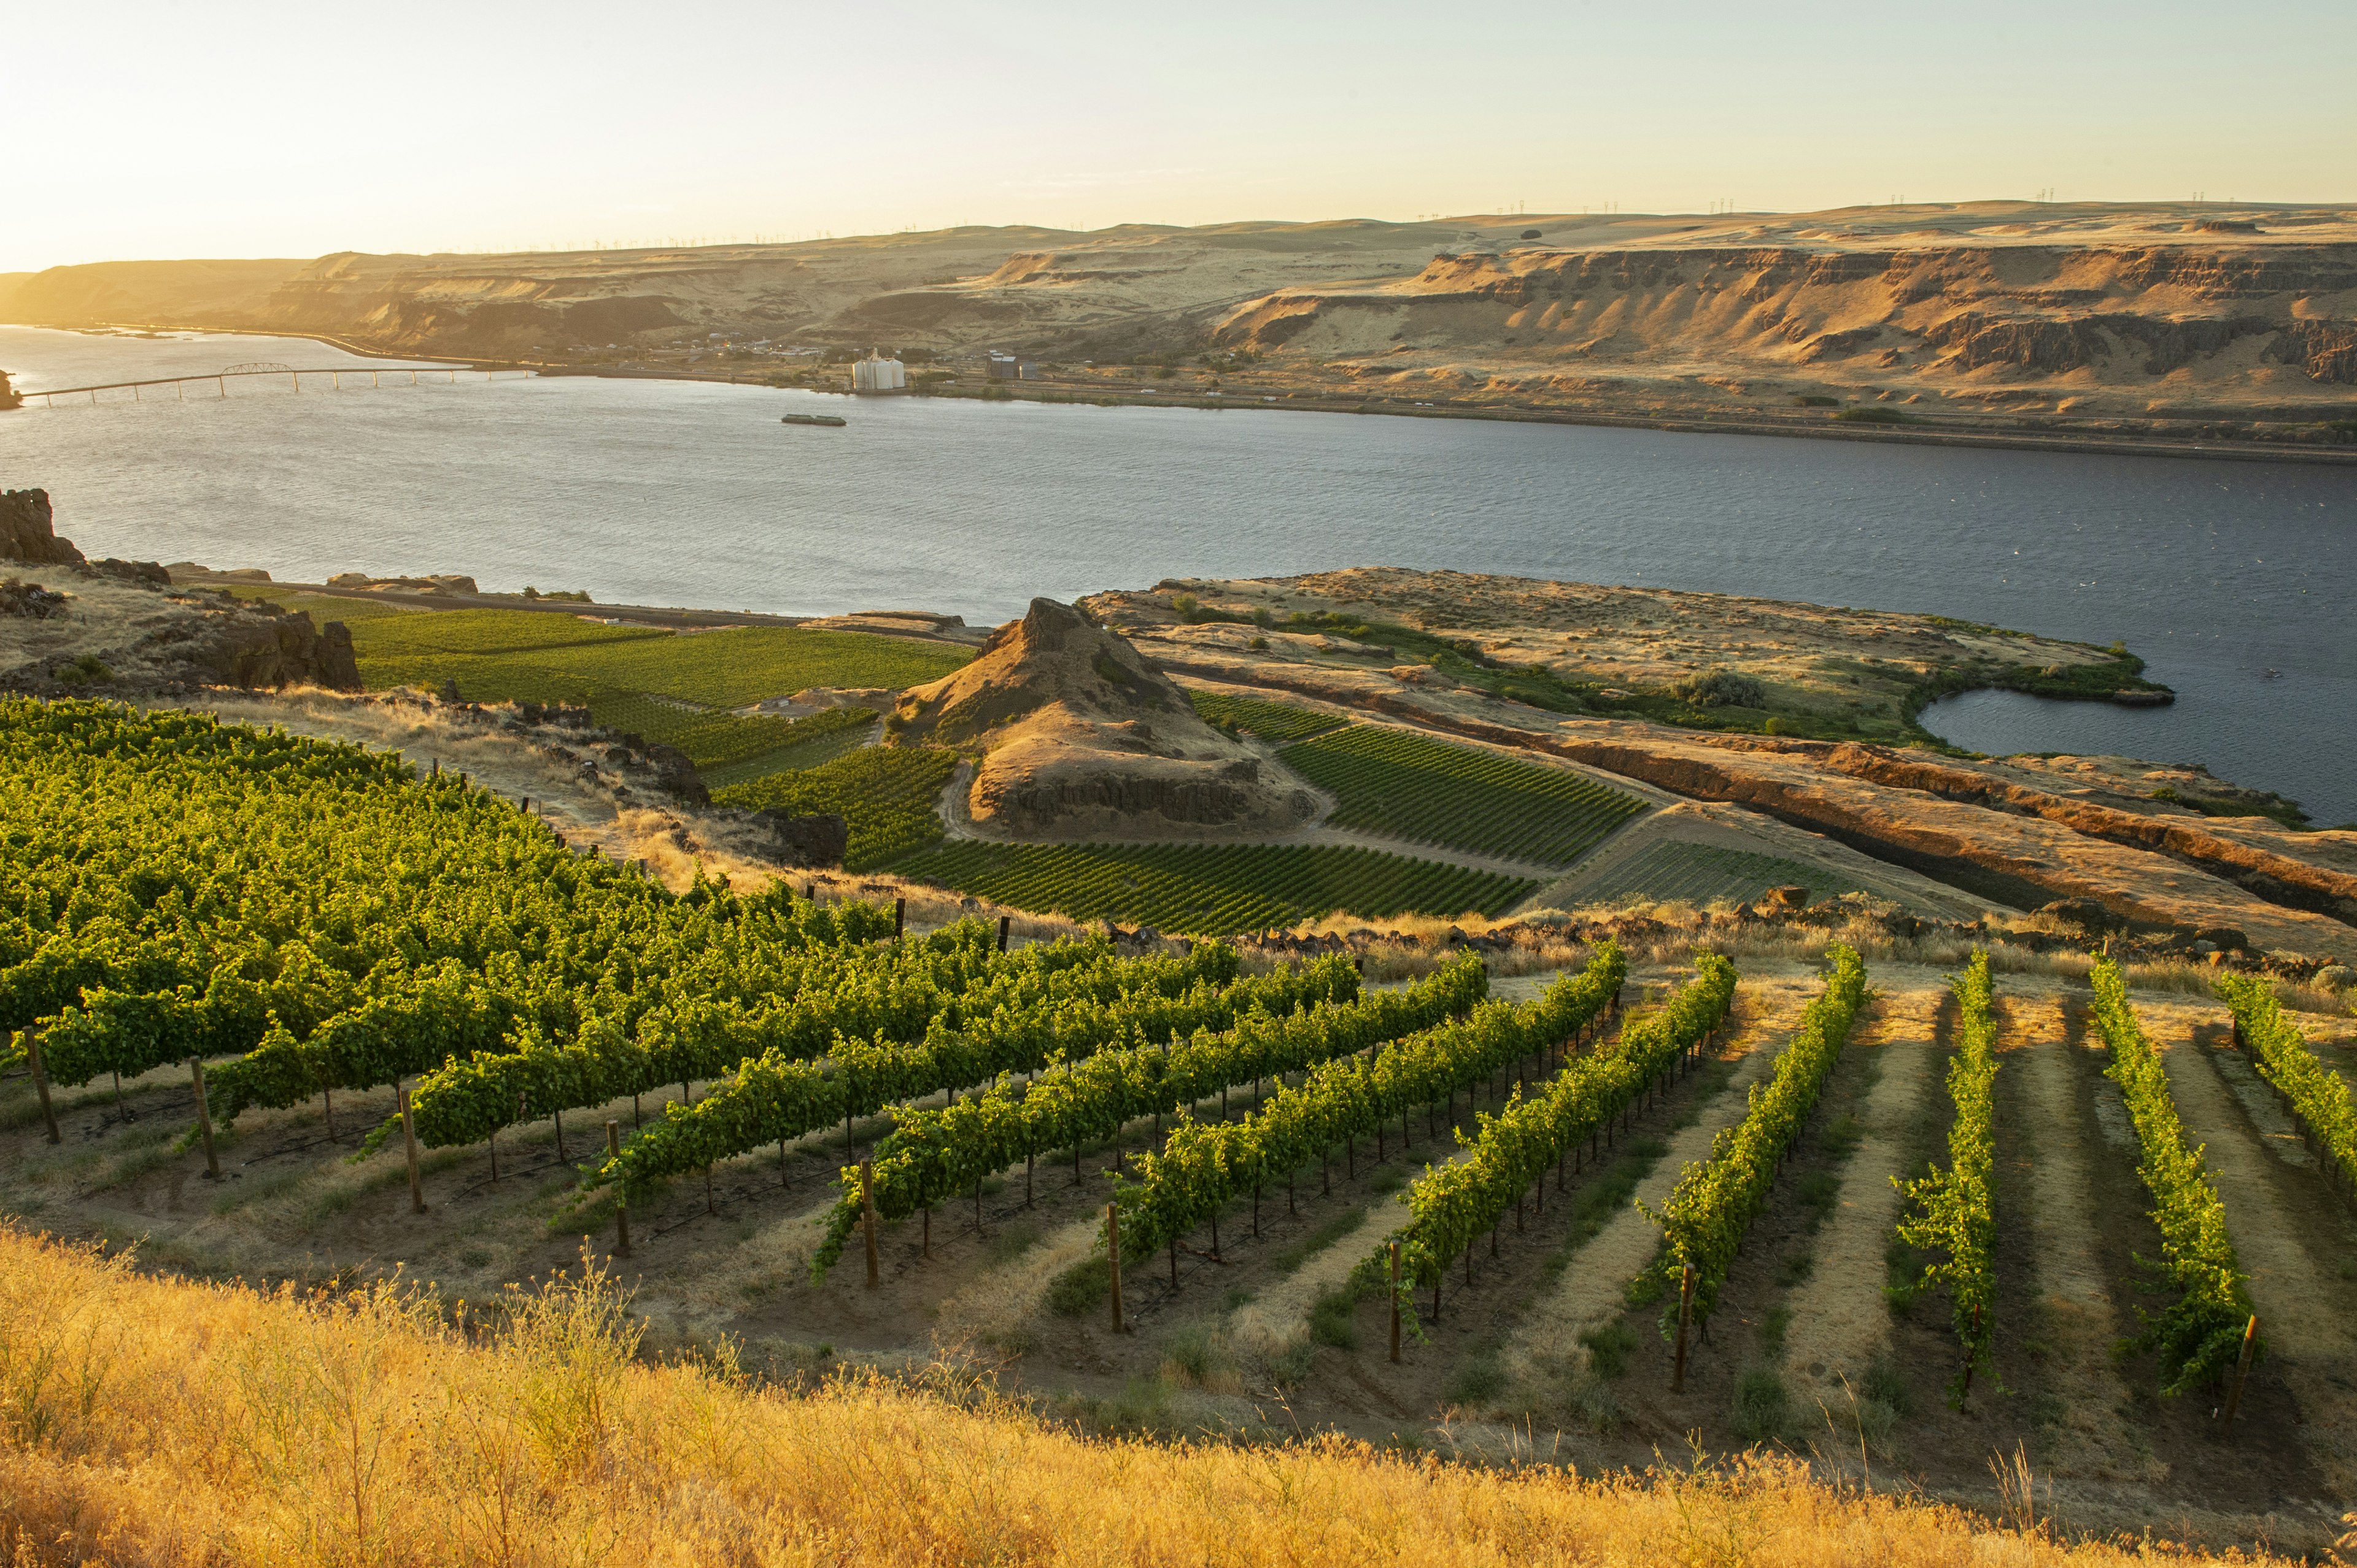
(88, 670)
(1722, 689)
(1331, 1321)
(1761, 1405)
(1082, 1288)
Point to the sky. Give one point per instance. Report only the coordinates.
(139, 129)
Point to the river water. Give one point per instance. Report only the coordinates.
(2233, 580)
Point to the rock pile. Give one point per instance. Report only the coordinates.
(29, 531)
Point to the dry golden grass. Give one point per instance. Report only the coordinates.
(152, 1420)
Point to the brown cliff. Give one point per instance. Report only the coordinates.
(1082, 738)
(2143, 318)
(29, 531)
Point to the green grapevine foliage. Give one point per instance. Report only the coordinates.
(933, 1015)
(773, 1097)
(2318, 1096)
(1704, 1219)
(1453, 1204)
(1398, 782)
(1950, 1211)
(1210, 888)
(2199, 1334)
(1204, 1166)
(174, 887)
(932, 1153)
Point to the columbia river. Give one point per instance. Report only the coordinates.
(2235, 581)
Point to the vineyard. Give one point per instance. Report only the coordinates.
(1704, 1222)
(2200, 1333)
(1278, 722)
(674, 688)
(1405, 785)
(1952, 1211)
(887, 794)
(1212, 889)
(2004, 1210)
(812, 741)
(1669, 870)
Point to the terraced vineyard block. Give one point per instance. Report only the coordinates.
(673, 688)
(1701, 874)
(1270, 721)
(1408, 786)
(1211, 888)
(887, 793)
(811, 742)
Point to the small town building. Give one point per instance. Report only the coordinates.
(878, 374)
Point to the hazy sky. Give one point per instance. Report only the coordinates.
(139, 129)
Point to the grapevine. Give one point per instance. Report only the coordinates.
(935, 1152)
(2316, 1096)
(1204, 1166)
(1716, 1200)
(1453, 1204)
(1950, 1212)
(772, 1098)
(2199, 1334)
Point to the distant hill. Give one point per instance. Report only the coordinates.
(2169, 315)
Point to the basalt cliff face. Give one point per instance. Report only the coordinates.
(2160, 321)
(1081, 739)
(2173, 318)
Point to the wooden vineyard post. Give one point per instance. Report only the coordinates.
(204, 1117)
(1395, 1323)
(41, 1080)
(868, 1217)
(621, 1209)
(1004, 921)
(2241, 1372)
(1113, 1253)
(1685, 1316)
(409, 1141)
(1964, 1391)
(899, 918)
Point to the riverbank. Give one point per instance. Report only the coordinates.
(1891, 429)
(1817, 427)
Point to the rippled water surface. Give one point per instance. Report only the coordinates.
(2234, 580)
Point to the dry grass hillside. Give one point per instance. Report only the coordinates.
(2171, 319)
(183, 1424)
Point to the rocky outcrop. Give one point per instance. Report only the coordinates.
(2023, 860)
(434, 582)
(2277, 878)
(265, 648)
(29, 601)
(820, 840)
(1082, 738)
(29, 531)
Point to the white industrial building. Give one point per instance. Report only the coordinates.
(878, 374)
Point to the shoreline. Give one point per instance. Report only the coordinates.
(2090, 444)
